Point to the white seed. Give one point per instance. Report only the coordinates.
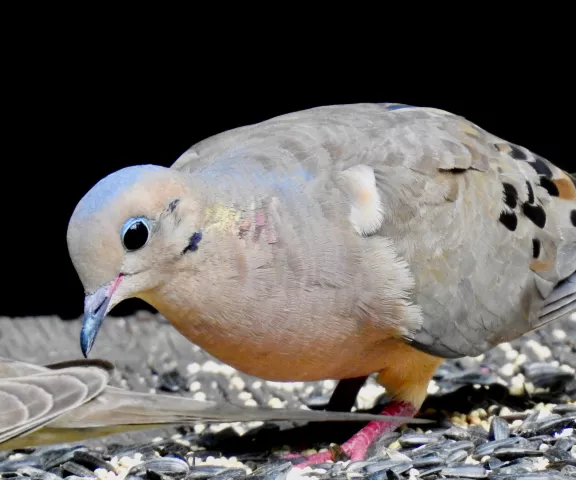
(210, 366)
(193, 368)
(520, 359)
(244, 395)
(512, 354)
(559, 334)
(237, 383)
(195, 386)
(507, 370)
(275, 402)
(199, 396)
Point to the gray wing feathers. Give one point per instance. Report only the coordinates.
(561, 302)
(39, 398)
(421, 139)
(13, 368)
(120, 407)
(50, 406)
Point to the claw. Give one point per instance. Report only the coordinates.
(355, 449)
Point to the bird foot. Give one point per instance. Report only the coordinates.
(355, 449)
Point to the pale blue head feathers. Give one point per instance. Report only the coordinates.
(107, 189)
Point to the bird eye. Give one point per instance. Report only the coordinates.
(135, 233)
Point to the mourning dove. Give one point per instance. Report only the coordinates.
(72, 401)
(337, 242)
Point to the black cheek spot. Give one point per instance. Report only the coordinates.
(530, 192)
(550, 186)
(535, 213)
(573, 217)
(510, 195)
(193, 243)
(509, 220)
(516, 153)
(536, 248)
(541, 167)
(172, 205)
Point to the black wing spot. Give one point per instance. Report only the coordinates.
(541, 167)
(536, 247)
(516, 153)
(510, 195)
(535, 213)
(530, 192)
(550, 186)
(573, 217)
(509, 220)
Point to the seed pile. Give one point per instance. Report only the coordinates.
(508, 414)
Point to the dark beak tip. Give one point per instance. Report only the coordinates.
(88, 334)
(85, 344)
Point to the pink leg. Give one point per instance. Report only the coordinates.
(356, 447)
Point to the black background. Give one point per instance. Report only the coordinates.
(71, 116)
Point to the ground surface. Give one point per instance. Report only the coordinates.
(506, 415)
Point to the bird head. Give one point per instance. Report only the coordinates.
(126, 234)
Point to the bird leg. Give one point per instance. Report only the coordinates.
(407, 382)
(345, 393)
(356, 447)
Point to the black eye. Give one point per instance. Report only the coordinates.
(135, 233)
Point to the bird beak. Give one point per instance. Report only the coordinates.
(95, 309)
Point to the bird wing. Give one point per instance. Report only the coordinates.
(31, 396)
(73, 401)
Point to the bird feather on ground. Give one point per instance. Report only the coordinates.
(72, 400)
(337, 242)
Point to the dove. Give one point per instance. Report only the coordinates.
(72, 400)
(337, 242)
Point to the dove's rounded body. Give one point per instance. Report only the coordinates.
(337, 242)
